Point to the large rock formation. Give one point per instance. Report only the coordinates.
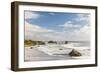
(75, 53)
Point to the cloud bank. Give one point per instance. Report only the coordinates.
(35, 32)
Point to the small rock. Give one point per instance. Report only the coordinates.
(75, 53)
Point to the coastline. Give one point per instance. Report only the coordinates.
(48, 52)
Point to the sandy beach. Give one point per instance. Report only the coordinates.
(54, 52)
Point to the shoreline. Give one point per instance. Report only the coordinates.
(46, 53)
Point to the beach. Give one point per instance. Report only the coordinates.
(54, 52)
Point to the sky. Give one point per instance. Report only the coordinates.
(59, 26)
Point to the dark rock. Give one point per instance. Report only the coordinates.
(75, 53)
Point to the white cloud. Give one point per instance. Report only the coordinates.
(52, 13)
(82, 31)
(35, 28)
(29, 15)
(83, 17)
(69, 24)
(83, 34)
(35, 32)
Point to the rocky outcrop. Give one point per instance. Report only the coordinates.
(75, 53)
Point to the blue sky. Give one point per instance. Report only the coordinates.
(52, 20)
(57, 21)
